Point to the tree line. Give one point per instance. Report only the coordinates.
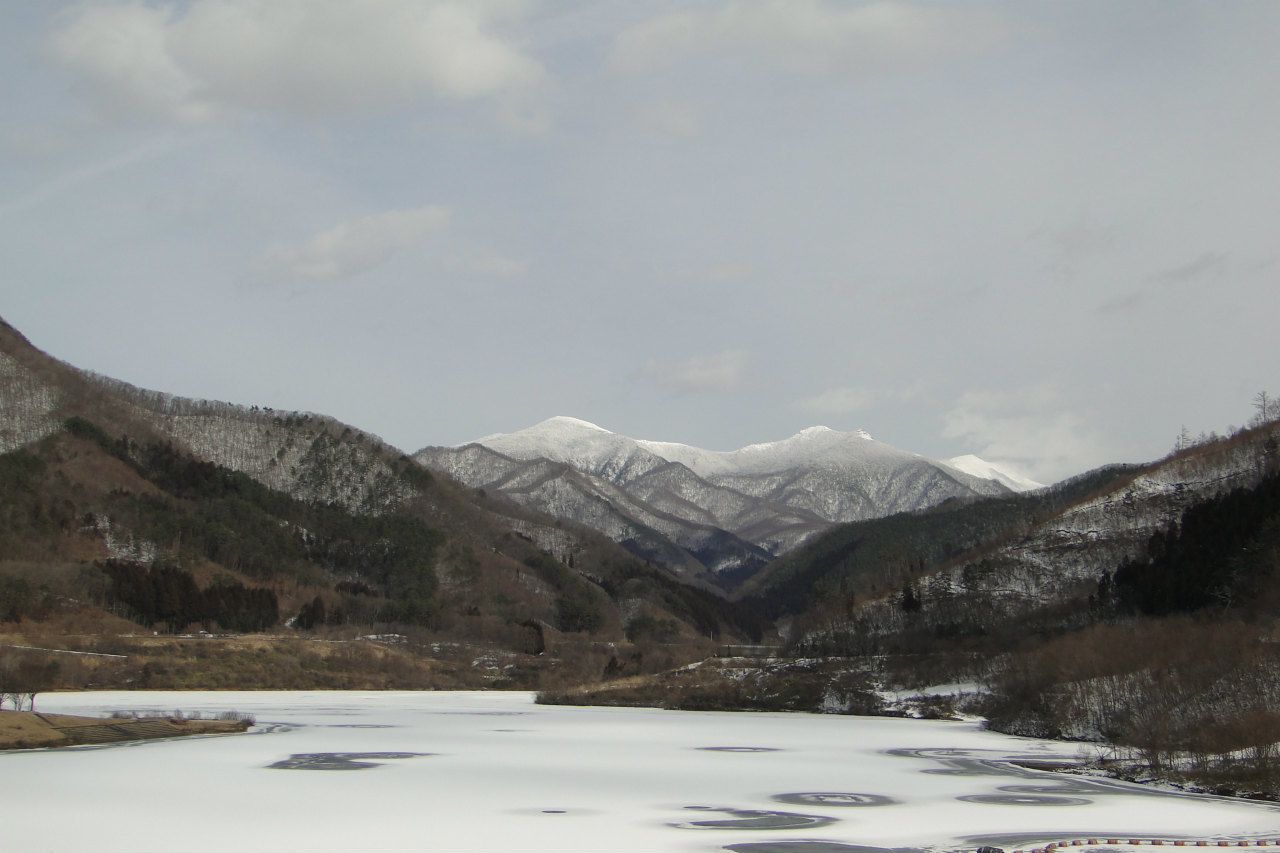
(166, 595)
(211, 512)
(1222, 553)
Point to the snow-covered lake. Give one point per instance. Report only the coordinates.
(357, 771)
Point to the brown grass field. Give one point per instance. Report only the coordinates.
(34, 730)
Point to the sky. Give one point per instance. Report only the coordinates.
(1045, 233)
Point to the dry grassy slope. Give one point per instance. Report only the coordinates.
(484, 586)
(482, 590)
(31, 730)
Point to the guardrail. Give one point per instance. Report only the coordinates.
(734, 651)
(1147, 842)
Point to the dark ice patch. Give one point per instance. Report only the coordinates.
(1066, 787)
(834, 798)
(755, 819)
(1023, 800)
(813, 847)
(739, 749)
(339, 760)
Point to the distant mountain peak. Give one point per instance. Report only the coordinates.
(819, 431)
(714, 509)
(571, 423)
(978, 467)
(559, 427)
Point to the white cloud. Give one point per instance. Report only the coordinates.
(720, 371)
(355, 246)
(836, 401)
(811, 35)
(123, 61)
(1030, 429)
(215, 59)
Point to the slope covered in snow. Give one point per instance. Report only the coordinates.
(577, 443)
(977, 467)
(1032, 568)
(767, 498)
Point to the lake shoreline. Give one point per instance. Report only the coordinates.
(37, 730)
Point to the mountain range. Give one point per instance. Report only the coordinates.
(1134, 603)
(121, 502)
(724, 514)
(566, 553)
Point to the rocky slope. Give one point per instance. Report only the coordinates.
(727, 512)
(328, 518)
(1056, 558)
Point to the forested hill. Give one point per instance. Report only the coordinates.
(868, 559)
(1021, 552)
(179, 515)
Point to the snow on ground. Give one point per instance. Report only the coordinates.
(343, 771)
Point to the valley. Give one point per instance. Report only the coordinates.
(155, 542)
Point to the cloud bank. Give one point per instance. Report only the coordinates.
(215, 60)
(1032, 429)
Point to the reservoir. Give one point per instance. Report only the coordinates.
(472, 771)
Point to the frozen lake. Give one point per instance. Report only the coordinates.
(356, 771)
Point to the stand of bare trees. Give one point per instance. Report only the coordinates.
(23, 677)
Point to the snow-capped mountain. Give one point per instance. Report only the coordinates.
(578, 444)
(1033, 562)
(978, 467)
(730, 510)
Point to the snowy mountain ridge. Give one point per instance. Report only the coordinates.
(590, 447)
(725, 510)
(1071, 554)
(978, 467)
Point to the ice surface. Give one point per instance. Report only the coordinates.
(493, 771)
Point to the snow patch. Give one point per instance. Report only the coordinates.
(975, 466)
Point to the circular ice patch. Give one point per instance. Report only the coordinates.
(832, 798)
(757, 819)
(1067, 786)
(1023, 800)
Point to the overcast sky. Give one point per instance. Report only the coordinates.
(1047, 233)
